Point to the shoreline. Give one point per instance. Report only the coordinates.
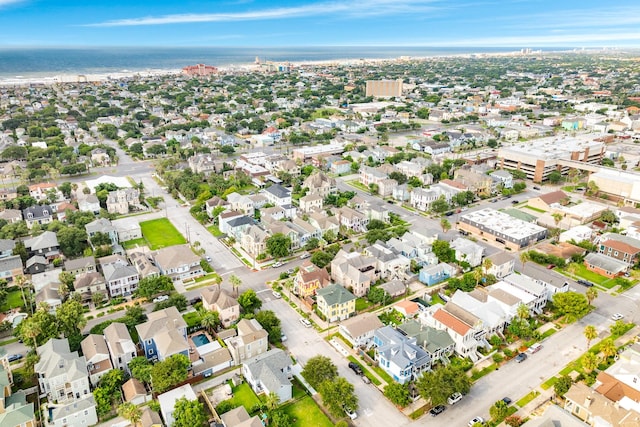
(51, 78)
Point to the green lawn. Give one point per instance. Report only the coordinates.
(528, 398)
(244, 396)
(160, 233)
(305, 413)
(14, 300)
(581, 270)
(213, 229)
(366, 371)
(362, 304)
(130, 244)
(192, 319)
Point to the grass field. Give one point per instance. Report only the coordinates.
(160, 233)
(244, 396)
(581, 271)
(306, 413)
(14, 300)
(131, 244)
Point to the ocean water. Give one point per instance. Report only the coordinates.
(32, 62)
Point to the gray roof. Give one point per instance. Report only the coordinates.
(269, 368)
(431, 339)
(78, 263)
(56, 359)
(38, 259)
(117, 271)
(100, 225)
(239, 221)
(10, 263)
(400, 349)
(7, 245)
(604, 262)
(38, 211)
(278, 191)
(46, 240)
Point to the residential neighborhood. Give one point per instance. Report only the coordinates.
(389, 243)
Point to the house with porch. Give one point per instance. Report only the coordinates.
(270, 372)
(359, 330)
(121, 347)
(178, 262)
(335, 303)
(163, 334)
(219, 300)
(399, 355)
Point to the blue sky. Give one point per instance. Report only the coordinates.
(446, 23)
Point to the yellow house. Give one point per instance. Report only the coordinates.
(336, 303)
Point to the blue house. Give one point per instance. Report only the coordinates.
(164, 334)
(399, 355)
(436, 273)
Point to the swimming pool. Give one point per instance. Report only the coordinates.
(200, 340)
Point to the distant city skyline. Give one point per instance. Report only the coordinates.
(438, 23)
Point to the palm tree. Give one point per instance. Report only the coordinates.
(523, 311)
(608, 348)
(591, 294)
(589, 362)
(31, 329)
(525, 257)
(235, 283)
(21, 281)
(210, 320)
(477, 274)
(590, 333)
(557, 217)
(445, 224)
(487, 264)
(272, 401)
(130, 412)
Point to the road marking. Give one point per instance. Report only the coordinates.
(264, 290)
(224, 274)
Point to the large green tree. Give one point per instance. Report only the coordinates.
(318, 370)
(571, 304)
(337, 395)
(398, 394)
(278, 245)
(188, 413)
(151, 286)
(439, 384)
(271, 324)
(249, 301)
(169, 372)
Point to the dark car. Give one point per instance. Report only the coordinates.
(551, 266)
(521, 357)
(437, 410)
(585, 283)
(355, 368)
(535, 187)
(14, 357)
(448, 213)
(507, 400)
(515, 202)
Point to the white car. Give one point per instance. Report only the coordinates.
(161, 298)
(617, 316)
(305, 322)
(351, 413)
(454, 398)
(276, 294)
(476, 420)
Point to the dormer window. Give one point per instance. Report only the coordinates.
(45, 212)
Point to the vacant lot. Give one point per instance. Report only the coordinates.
(160, 233)
(306, 413)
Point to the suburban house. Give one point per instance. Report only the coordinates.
(399, 355)
(43, 190)
(89, 203)
(80, 265)
(320, 184)
(434, 274)
(134, 392)
(239, 417)
(309, 279)
(352, 219)
(604, 265)
(311, 202)
(121, 278)
(163, 334)
(504, 177)
(123, 200)
(10, 268)
(63, 378)
(270, 372)
(335, 303)
(241, 203)
(216, 299)
(468, 251)
(538, 289)
(389, 263)
(96, 353)
(178, 262)
(6, 247)
(422, 198)
(45, 245)
(143, 263)
(38, 214)
(354, 271)
(359, 330)
(623, 248)
(168, 400)
(465, 329)
(121, 347)
(89, 284)
(436, 342)
(104, 226)
(502, 264)
(277, 195)
(595, 409)
(254, 240)
(251, 340)
(15, 411)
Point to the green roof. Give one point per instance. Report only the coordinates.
(429, 338)
(517, 213)
(335, 294)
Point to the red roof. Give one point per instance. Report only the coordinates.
(451, 322)
(409, 307)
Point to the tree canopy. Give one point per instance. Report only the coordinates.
(318, 370)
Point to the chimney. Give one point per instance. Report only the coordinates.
(587, 401)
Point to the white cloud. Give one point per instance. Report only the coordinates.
(357, 8)
(10, 2)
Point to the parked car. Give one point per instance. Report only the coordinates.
(14, 357)
(507, 400)
(521, 357)
(437, 410)
(283, 337)
(585, 283)
(276, 294)
(514, 202)
(355, 368)
(305, 255)
(305, 322)
(161, 298)
(277, 264)
(208, 258)
(350, 412)
(476, 420)
(535, 348)
(551, 266)
(617, 316)
(290, 271)
(454, 398)
(535, 187)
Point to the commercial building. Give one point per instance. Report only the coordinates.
(539, 158)
(384, 88)
(618, 185)
(502, 228)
